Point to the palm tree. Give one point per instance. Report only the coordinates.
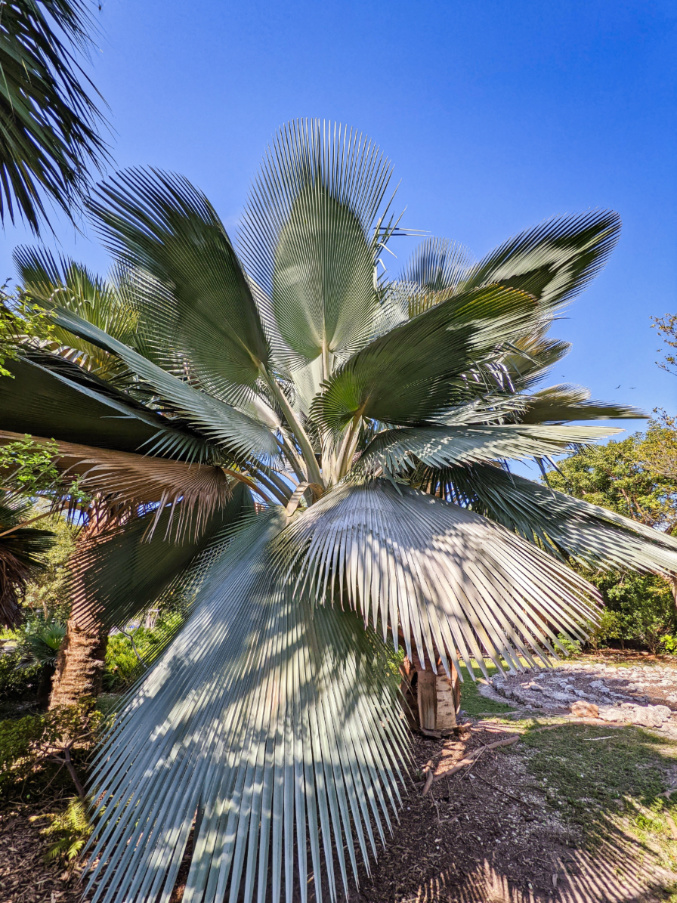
(22, 546)
(320, 453)
(49, 124)
(44, 281)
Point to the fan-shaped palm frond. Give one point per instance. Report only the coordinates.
(51, 282)
(409, 560)
(560, 403)
(438, 359)
(47, 396)
(119, 573)
(436, 268)
(268, 681)
(49, 124)
(564, 524)
(395, 451)
(373, 419)
(319, 190)
(197, 302)
(556, 260)
(127, 481)
(22, 546)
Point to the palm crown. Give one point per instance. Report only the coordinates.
(319, 452)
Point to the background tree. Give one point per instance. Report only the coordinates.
(49, 123)
(370, 418)
(636, 478)
(47, 280)
(667, 330)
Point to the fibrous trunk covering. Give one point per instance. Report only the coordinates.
(79, 665)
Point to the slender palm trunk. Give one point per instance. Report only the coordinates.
(79, 664)
(81, 659)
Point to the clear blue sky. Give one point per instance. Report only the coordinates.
(496, 113)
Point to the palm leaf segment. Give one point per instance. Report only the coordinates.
(49, 122)
(372, 420)
(22, 548)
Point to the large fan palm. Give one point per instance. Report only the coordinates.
(370, 419)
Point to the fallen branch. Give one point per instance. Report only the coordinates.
(501, 790)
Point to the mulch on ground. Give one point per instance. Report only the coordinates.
(25, 876)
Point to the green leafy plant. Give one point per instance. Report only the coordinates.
(45, 642)
(129, 654)
(669, 643)
(19, 676)
(67, 832)
(56, 738)
(313, 452)
(571, 647)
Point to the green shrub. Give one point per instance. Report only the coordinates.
(123, 664)
(18, 740)
(669, 644)
(19, 676)
(33, 744)
(26, 670)
(639, 611)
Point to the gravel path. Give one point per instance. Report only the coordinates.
(644, 695)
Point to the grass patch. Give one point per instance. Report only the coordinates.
(472, 703)
(592, 782)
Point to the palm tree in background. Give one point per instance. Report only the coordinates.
(22, 547)
(80, 661)
(320, 453)
(49, 123)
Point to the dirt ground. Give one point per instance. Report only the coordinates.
(570, 812)
(25, 877)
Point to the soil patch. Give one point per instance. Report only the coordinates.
(495, 832)
(25, 876)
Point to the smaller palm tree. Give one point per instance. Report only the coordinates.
(21, 549)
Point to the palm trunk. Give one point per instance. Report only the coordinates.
(432, 700)
(81, 659)
(79, 664)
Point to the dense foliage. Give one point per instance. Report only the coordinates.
(635, 477)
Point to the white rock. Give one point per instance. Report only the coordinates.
(561, 697)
